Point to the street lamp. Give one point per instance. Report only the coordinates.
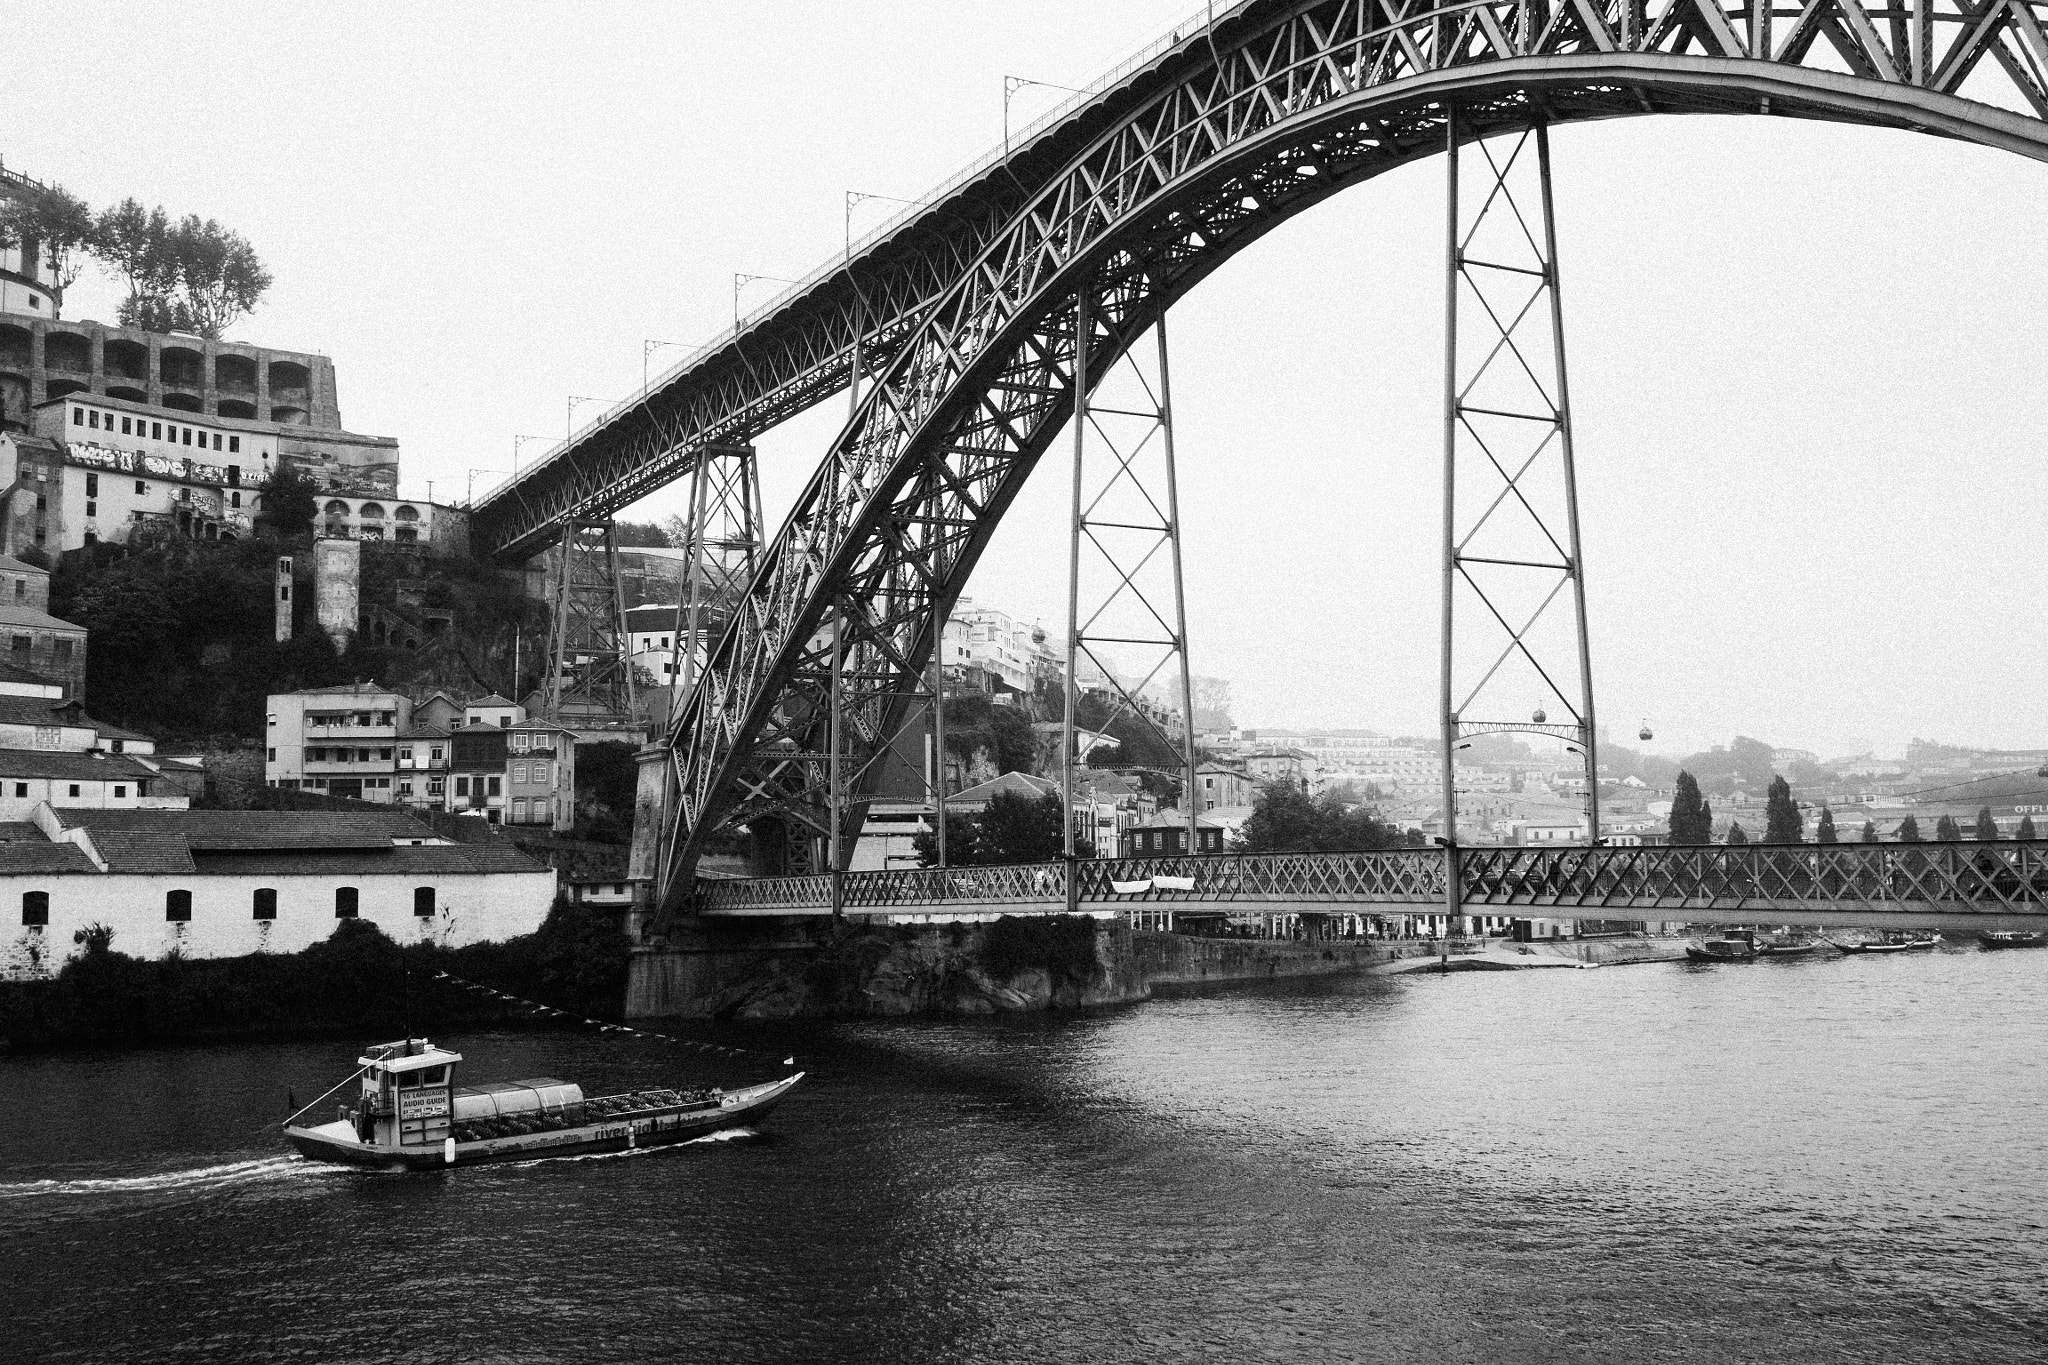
(648, 348)
(569, 423)
(469, 491)
(1011, 85)
(517, 442)
(740, 281)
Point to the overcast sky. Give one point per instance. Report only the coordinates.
(1807, 359)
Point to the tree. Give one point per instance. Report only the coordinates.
(57, 223)
(1735, 834)
(1946, 830)
(1987, 826)
(1285, 819)
(1783, 824)
(135, 243)
(1909, 831)
(2026, 829)
(1015, 828)
(640, 534)
(1824, 832)
(219, 273)
(1691, 820)
(290, 502)
(1870, 831)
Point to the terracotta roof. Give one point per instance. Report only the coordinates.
(249, 830)
(357, 689)
(142, 850)
(12, 565)
(20, 710)
(16, 614)
(423, 732)
(493, 701)
(23, 848)
(59, 765)
(402, 859)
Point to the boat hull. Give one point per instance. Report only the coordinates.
(1927, 946)
(337, 1142)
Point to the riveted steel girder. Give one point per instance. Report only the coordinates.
(1275, 116)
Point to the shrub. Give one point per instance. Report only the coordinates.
(1062, 944)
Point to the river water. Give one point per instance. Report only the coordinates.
(1831, 1160)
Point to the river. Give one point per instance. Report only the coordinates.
(1831, 1160)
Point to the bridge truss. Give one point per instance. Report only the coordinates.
(967, 309)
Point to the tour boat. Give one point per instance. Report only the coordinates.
(2014, 938)
(1894, 941)
(412, 1116)
(1786, 947)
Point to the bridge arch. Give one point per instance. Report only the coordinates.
(1317, 99)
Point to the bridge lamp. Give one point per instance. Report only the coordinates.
(569, 422)
(517, 442)
(741, 281)
(648, 348)
(1011, 85)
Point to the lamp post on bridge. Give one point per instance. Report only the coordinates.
(569, 420)
(519, 441)
(741, 280)
(649, 347)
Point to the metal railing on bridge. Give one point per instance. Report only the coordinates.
(1563, 882)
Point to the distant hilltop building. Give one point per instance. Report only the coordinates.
(107, 430)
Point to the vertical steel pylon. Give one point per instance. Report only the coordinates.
(590, 673)
(1510, 500)
(722, 548)
(1127, 629)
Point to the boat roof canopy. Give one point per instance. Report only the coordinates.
(413, 1054)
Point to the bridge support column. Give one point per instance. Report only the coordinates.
(590, 667)
(1126, 598)
(722, 548)
(1511, 633)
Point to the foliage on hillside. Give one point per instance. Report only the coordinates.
(1285, 819)
(182, 635)
(1013, 828)
(355, 983)
(974, 723)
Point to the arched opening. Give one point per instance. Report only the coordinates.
(182, 368)
(234, 374)
(15, 347)
(123, 391)
(184, 402)
(127, 359)
(67, 351)
(289, 417)
(371, 511)
(407, 514)
(238, 409)
(14, 391)
(59, 388)
(290, 384)
(336, 508)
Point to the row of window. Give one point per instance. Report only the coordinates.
(35, 905)
(90, 418)
(541, 772)
(120, 790)
(24, 647)
(325, 754)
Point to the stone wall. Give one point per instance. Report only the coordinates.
(470, 908)
(1178, 959)
(813, 969)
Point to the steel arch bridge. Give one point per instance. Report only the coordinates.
(967, 314)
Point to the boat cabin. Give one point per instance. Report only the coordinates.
(408, 1097)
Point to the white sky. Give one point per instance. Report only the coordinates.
(1806, 358)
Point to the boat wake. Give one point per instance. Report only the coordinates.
(722, 1135)
(233, 1173)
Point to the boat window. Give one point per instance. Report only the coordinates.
(35, 908)
(266, 902)
(178, 906)
(344, 902)
(434, 1075)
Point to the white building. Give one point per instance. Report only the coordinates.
(1014, 654)
(230, 883)
(338, 740)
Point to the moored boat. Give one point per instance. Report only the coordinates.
(1737, 945)
(2014, 938)
(410, 1114)
(1893, 941)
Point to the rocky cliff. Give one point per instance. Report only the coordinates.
(855, 970)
